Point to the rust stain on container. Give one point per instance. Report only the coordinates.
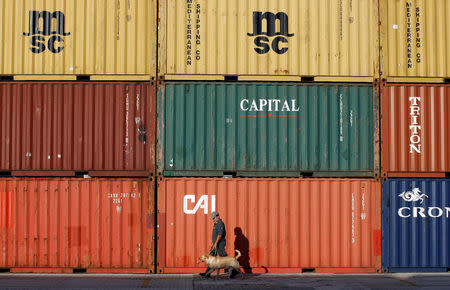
(59, 128)
(96, 224)
(415, 130)
(279, 225)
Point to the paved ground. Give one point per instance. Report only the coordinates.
(299, 281)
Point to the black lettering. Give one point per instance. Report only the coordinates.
(271, 19)
(51, 43)
(37, 45)
(276, 45)
(46, 17)
(261, 43)
(408, 4)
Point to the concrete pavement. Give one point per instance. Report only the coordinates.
(254, 281)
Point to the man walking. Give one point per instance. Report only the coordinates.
(218, 239)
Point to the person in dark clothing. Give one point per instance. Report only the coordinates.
(218, 239)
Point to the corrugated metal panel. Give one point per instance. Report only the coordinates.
(206, 39)
(71, 37)
(267, 129)
(279, 225)
(415, 37)
(415, 130)
(77, 223)
(59, 128)
(416, 231)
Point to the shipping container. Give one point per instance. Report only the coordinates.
(278, 225)
(267, 129)
(415, 130)
(101, 39)
(416, 227)
(415, 36)
(66, 225)
(65, 128)
(335, 40)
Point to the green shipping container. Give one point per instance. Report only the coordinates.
(267, 129)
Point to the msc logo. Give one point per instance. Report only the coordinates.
(261, 41)
(189, 200)
(53, 28)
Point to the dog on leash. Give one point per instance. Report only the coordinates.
(217, 263)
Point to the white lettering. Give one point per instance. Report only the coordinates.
(433, 211)
(414, 100)
(262, 104)
(285, 107)
(269, 105)
(242, 105)
(294, 109)
(418, 210)
(413, 110)
(415, 127)
(400, 212)
(415, 148)
(201, 203)
(430, 211)
(254, 107)
(277, 102)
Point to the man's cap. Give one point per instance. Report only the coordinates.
(214, 214)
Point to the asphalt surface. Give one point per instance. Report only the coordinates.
(255, 281)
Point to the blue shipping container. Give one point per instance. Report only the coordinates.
(416, 225)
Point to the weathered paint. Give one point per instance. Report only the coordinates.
(214, 128)
(112, 39)
(416, 227)
(279, 225)
(212, 39)
(54, 225)
(415, 130)
(415, 36)
(59, 128)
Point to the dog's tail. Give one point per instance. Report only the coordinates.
(238, 254)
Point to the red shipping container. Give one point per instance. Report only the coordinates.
(58, 225)
(279, 225)
(60, 128)
(415, 130)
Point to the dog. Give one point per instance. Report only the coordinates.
(217, 263)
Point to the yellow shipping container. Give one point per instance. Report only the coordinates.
(60, 39)
(415, 37)
(333, 40)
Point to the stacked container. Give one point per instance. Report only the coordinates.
(61, 131)
(273, 138)
(415, 134)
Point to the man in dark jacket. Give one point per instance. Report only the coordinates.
(218, 239)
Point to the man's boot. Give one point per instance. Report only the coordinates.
(206, 274)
